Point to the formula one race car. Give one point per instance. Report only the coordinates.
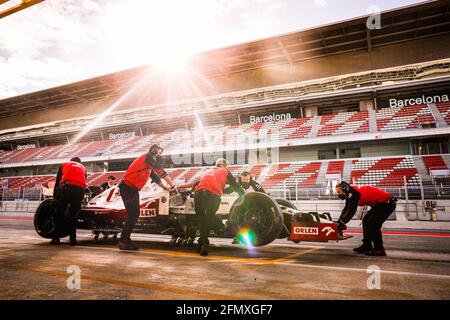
(256, 219)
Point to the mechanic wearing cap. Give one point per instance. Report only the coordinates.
(69, 191)
(208, 192)
(382, 206)
(136, 177)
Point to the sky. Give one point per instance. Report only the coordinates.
(61, 41)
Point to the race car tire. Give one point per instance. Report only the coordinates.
(286, 203)
(306, 217)
(258, 213)
(326, 216)
(44, 221)
(287, 217)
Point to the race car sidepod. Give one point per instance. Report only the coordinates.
(314, 227)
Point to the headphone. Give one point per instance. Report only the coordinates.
(345, 187)
(153, 151)
(152, 156)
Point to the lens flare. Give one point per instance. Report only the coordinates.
(246, 237)
(142, 79)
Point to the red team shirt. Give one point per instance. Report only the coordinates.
(214, 180)
(139, 172)
(372, 196)
(74, 173)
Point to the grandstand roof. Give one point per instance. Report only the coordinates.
(138, 119)
(17, 7)
(404, 24)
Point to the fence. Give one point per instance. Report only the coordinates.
(405, 192)
(21, 193)
(320, 199)
(19, 206)
(320, 192)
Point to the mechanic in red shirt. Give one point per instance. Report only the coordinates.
(382, 206)
(69, 191)
(148, 165)
(208, 192)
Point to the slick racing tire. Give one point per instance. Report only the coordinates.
(260, 215)
(286, 203)
(287, 217)
(44, 221)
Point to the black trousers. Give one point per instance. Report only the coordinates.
(206, 206)
(373, 221)
(130, 198)
(71, 196)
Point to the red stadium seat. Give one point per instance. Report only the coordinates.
(401, 118)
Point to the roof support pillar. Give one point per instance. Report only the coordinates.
(369, 40)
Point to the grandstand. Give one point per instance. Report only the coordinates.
(290, 132)
(336, 102)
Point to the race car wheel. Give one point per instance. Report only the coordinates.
(326, 216)
(287, 217)
(259, 215)
(286, 203)
(44, 221)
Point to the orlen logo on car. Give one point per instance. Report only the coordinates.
(306, 230)
(145, 213)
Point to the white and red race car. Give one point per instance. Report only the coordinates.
(255, 218)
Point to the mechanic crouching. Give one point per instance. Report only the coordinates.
(146, 166)
(69, 191)
(207, 197)
(382, 206)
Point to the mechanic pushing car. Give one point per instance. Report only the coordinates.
(69, 191)
(246, 181)
(382, 206)
(146, 166)
(208, 192)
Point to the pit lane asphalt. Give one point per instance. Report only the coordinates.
(417, 267)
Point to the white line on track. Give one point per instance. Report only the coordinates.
(293, 264)
(399, 273)
(288, 264)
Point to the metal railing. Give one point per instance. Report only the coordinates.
(21, 193)
(325, 192)
(319, 192)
